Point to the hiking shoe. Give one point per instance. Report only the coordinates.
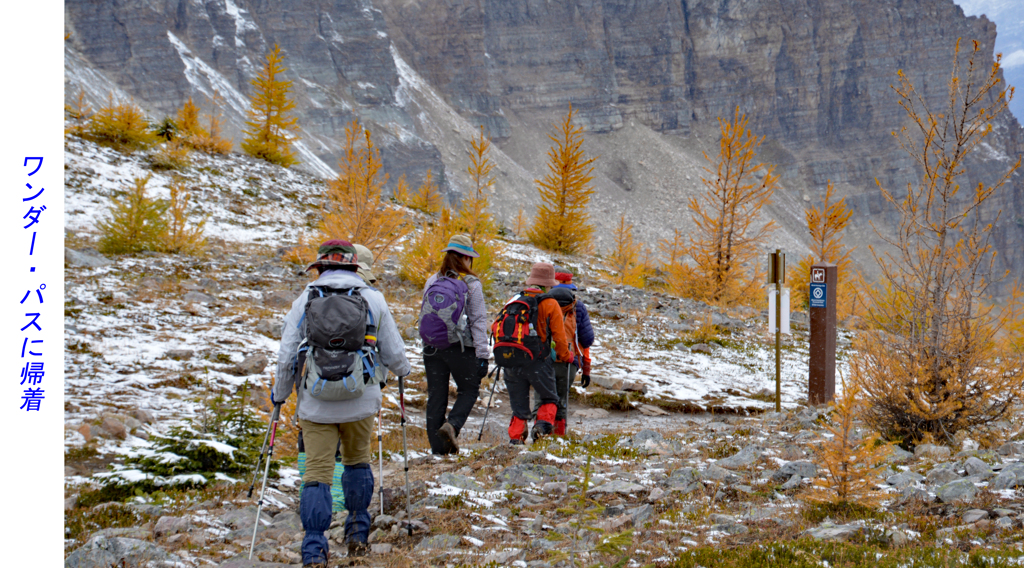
(516, 442)
(357, 549)
(447, 434)
(541, 428)
(315, 565)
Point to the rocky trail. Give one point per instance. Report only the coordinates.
(674, 450)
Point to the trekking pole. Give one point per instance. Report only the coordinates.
(256, 468)
(487, 408)
(380, 454)
(272, 432)
(405, 453)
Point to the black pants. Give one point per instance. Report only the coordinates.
(440, 364)
(564, 375)
(518, 380)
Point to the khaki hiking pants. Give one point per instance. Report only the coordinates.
(321, 441)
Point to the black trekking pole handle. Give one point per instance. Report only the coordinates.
(256, 469)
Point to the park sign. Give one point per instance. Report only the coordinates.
(821, 380)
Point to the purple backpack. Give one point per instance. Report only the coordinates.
(443, 321)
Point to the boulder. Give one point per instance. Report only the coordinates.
(244, 517)
(103, 552)
(651, 410)
(166, 526)
(1005, 480)
(271, 328)
(743, 458)
(459, 481)
(114, 427)
(702, 348)
(932, 452)
(1011, 449)
(802, 468)
(834, 532)
(523, 475)
(252, 365)
(85, 258)
(904, 479)
(198, 298)
(975, 466)
(618, 486)
(715, 473)
(439, 542)
(279, 299)
(179, 355)
(942, 474)
(606, 382)
(681, 478)
(957, 491)
(974, 515)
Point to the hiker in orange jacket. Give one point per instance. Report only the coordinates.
(540, 373)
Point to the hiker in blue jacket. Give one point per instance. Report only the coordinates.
(565, 373)
(324, 423)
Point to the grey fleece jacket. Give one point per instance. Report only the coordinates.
(476, 314)
(389, 343)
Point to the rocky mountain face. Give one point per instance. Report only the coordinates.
(649, 77)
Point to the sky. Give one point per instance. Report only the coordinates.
(1008, 16)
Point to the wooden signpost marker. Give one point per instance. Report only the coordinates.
(777, 276)
(821, 382)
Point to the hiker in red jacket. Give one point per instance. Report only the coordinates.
(539, 373)
(580, 334)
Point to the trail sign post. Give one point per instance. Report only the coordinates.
(777, 276)
(821, 382)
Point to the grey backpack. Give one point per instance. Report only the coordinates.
(338, 354)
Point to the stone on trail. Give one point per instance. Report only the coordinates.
(681, 478)
(932, 452)
(242, 561)
(803, 468)
(167, 525)
(459, 481)
(975, 466)
(251, 365)
(243, 518)
(618, 486)
(962, 491)
(103, 552)
(522, 475)
(655, 495)
(942, 474)
(439, 542)
(974, 515)
(270, 328)
(904, 479)
(743, 458)
(85, 258)
(715, 473)
(592, 413)
(1005, 480)
(793, 483)
(834, 532)
(651, 410)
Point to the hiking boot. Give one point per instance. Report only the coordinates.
(447, 434)
(516, 442)
(315, 565)
(541, 428)
(358, 549)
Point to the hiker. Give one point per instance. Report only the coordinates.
(580, 334)
(531, 340)
(324, 414)
(365, 258)
(454, 331)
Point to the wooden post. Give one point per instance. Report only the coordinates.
(821, 382)
(777, 276)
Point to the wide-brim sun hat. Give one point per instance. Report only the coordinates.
(335, 253)
(542, 274)
(462, 245)
(365, 258)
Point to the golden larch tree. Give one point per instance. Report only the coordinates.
(121, 125)
(680, 278)
(426, 198)
(184, 231)
(421, 255)
(827, 224)
(270, 128)
(626, 256)
(188, 121)
(354, 209)
(852, 463)
(727, 237)
(562, 223)
(473, 217)
(940, 357)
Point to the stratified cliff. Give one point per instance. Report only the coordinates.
(650, 78)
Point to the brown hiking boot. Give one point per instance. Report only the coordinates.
(356, 549)
(447, 434)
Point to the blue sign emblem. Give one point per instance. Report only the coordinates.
(818, 295)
